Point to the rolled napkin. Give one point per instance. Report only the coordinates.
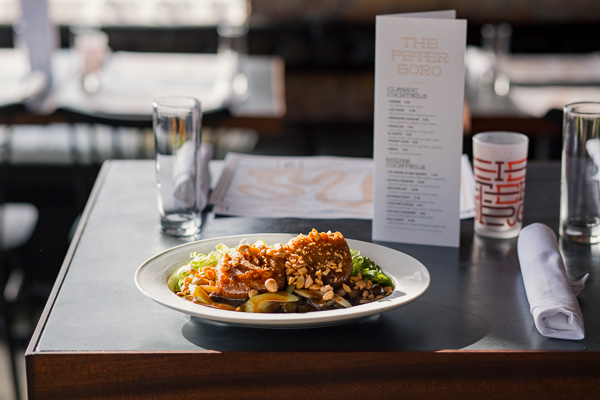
(185, 184)
(592, 146)
(206, 154)
(552, 298)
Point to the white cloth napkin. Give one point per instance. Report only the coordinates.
(593, 148)
(184, 175)
(552, 298)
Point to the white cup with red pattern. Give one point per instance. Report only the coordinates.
(499, 166)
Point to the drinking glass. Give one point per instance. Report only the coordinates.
(580, 173)
(177, 133)
(92, 48)
(499, 166)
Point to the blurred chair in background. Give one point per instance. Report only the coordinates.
(17, 224)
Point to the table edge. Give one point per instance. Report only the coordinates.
(413, 374)
(68, 258)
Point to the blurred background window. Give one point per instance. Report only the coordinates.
(139, 12)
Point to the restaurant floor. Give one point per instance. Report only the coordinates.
(6, 383)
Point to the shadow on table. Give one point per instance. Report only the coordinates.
(417, 327)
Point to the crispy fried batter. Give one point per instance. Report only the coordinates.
(312, 261)
(326, 256)
(239, 272)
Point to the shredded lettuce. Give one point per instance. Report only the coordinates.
(368, 269)
(197, 261)
(200, 260)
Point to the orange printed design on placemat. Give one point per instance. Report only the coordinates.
(499, 191)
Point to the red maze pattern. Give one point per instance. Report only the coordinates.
(499, 191)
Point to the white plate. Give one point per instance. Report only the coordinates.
(411, 280)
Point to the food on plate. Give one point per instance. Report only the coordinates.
(312, 272)
(248, 268)
(326, 257)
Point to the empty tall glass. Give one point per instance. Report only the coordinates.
(580, 174)
(177, 133)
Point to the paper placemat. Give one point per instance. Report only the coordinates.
(306, 187)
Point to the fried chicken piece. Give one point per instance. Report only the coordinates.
(325, 255)
(250, 267)
(311, 261)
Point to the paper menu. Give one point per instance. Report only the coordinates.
(419, 95)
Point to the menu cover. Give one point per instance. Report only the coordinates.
(419, 96)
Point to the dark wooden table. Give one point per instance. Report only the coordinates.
(470, 335)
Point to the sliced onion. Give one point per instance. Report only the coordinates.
(309, 294)
(201, 296)
(340, 301)
(315, 294)
(262, 303)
